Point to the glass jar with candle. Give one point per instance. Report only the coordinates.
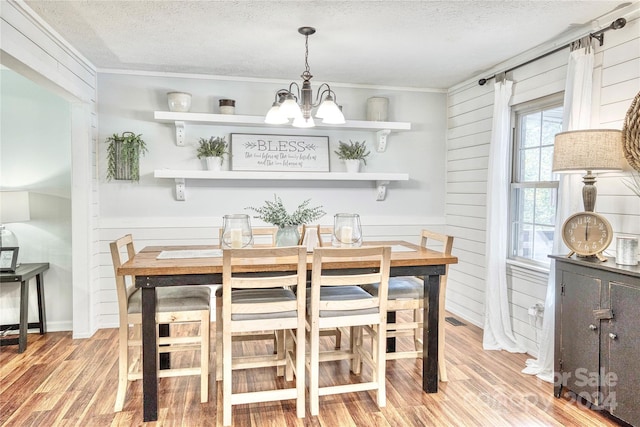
(347, 231)
(236, 232)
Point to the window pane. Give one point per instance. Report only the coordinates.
(530, 165)
(531, 130)
(552, 124)
(546, 162)
(542, 243)
(545, 206)
(526, 204)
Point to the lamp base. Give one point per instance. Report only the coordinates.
(589, 192)
(7, 238)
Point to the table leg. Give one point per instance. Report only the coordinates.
(430, 334)
(42, 312)
(24, 316)
(149, 356)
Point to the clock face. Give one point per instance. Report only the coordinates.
(587, 233)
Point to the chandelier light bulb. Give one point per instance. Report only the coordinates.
(275, 116)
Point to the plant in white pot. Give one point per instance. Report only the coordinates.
(275, 213)
(352, 154)
(213, 151)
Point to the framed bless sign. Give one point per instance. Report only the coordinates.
(290, 153)
(8, 259)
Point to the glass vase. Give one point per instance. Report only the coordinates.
(236, 232)
(287, 236)
(347, 231)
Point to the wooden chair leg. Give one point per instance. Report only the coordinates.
(226, 379)
(300, 371)
(218, 338)
(380, 366)
(279, 347)
(314, 362)
(123, 367)
(205, 332)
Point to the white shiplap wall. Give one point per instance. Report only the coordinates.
(470, 106)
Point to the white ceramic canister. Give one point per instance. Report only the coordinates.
(627, 250)
(377, 109)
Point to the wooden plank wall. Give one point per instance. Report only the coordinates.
(470, 106)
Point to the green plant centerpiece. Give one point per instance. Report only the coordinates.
(352, 153)
(123, 156)
(274, 212)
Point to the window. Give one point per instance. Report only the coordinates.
(533, 190)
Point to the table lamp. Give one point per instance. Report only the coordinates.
(588, 150)
(14, 207)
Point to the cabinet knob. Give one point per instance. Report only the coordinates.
(612, 335)
(593, 327)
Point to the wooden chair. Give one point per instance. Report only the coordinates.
(407, 293)
(175, 305)
(261, 236)
(253, 304)
(336, 301)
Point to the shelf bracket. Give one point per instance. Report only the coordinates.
(381, 190)
(381, 136)
(180, 189)
(180, 133)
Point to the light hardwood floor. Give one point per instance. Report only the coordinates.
(59, 381)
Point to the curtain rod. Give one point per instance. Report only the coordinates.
(598, 35)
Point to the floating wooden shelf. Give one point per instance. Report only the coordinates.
(382, 129)
(180, 177)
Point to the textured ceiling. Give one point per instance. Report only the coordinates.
(426, 44)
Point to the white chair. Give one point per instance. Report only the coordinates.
(407, 293)
(337, 301)
(254, 304)
(175, 305)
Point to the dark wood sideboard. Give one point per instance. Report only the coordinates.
(597, 334)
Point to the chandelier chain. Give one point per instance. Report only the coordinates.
(306, 75)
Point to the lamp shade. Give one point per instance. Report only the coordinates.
(14, 206)
(588, 150)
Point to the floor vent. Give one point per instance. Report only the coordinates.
(454, 321)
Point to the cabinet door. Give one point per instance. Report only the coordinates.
(622, 375)
(580, 334)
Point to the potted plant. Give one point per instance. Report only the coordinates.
(275, 213)
(213, 151)
(352, 153)
(123, 156)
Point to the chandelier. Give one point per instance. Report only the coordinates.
(298, 105)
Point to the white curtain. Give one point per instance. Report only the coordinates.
(497, 323)
(577, 115)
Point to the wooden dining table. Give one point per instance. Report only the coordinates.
(407, 259)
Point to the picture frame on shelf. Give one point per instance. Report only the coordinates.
(8, 259)
(279, 153)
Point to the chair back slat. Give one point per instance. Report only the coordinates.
(264, 282)
(350, 280)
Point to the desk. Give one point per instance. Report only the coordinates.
(23, 274)
(151, 273)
